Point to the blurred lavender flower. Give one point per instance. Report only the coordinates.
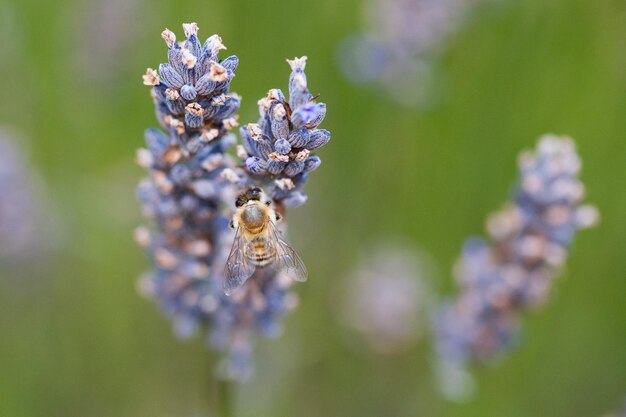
(191, 190)
(397, 50)
(387, 297)
(26, 221)
(105, 31)
(513, 271)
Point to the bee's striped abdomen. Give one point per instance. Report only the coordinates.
(260, 251)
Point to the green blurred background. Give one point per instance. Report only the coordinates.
(77, 340)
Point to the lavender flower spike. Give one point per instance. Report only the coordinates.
(190, 194)
(400, 43)
(277, 150)
(28, 226)
(512, 271)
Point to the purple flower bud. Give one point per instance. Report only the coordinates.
(307, 114)
(169, 75)
(157, 142)
(318, 138)
(312, 163)
(279, 122)
(282, 146)
(299, 138)
(275, 167)
(230, 63)
(256, 165)
(293, 168)
(188, 92)
(205, 86)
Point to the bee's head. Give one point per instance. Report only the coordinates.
(251, 194)
(254, 193)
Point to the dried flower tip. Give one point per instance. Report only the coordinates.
(170, 121)
(215, 44)
(194, 109)
(172, 155)
(190, 29)
(169, 37)
(302, 155)
(213, 162)
(279, 111)
(241, 152)
(161, 181)
(188, 58)
(209, 134)
(172, 94)
(175, 124)
(144, 158)
(264, 104)
(277, 157)
(217, 73)
(219, 100)
(151, 77)
(173, 223)
(557, 215)
(230, 175)
(505, 223)
(165, 259)
(275, 94)
(532, 183)
(532, 246)
(231, 122)
(297, 63)
(198, 248)
(587, 216)
(145, 286)
(285, 184)
(142, 236)
(255, 131)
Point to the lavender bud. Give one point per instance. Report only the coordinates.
(256, 165)
(230, 63)
(298, 92)
(279, 122)
(293, 168)
(282, 146)
(188, 92)
(318, 138)
(274, 166)
(312, 163)
(170, 76)
(307, 114)
(299, 138)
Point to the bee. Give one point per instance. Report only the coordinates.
(258, 243)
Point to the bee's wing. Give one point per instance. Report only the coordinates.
(286, 258)
(238, 266)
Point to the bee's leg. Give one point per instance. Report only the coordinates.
(231, 224)
(278, 216)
